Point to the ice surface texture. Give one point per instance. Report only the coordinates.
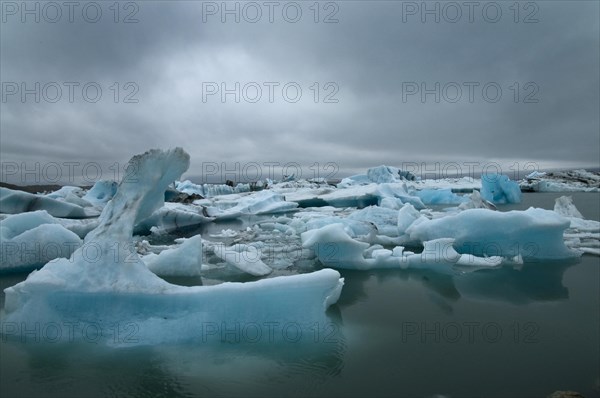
(30, 240)
(535, 234)
(14, 202)
(499, 189)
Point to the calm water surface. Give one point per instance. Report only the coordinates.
(496, 333)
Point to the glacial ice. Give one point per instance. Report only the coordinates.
(14, 202)
(440, 197)
(384, 220)
(210, 190)
(565, 207)
(335, 248)
(379, 175)
(365, 223)
(562, 181)
(583, 235)
(246, 258)
(183, 260)
(359, 196)
(101, 192)
(408, 216)
(70, 194)
(106, 282)
(499, 189)
(233, 206)
(172, 216)
(535, 234)
(30, 240)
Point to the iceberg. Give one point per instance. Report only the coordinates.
(172, 216)
(14, 202)
(183, 260)
(565, 207)
(101, 192)
(562, 181)
(440, 197)
(499, 189)
(400, 193)
(246, 258)
(70, 194)
(210, 190)
(358, 196)
(233, 206)
(355, 196)
(335, 248)
(408, 216)
(535, 234)
(385, 220)
(582, 235)
(105, 282)
(379, 175)
(30, 240)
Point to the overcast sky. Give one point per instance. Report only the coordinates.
(349, 83)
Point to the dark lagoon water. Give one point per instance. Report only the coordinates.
(497, 333)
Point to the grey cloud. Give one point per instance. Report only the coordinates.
(371, 54)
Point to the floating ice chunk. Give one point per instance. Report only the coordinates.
(583, 235)
(225, 233)
(355, 196)
(335, 248)
(498, 188)
(17, 224)
(81, 227)
(398, 191)
(385, 220)
(246, 258)
(101, 192)
(474, 261)
(533, 233)
(535, 174)
(118, 287)
(383, 174)
(440, 197)
(14, 202)
(30, 240)
(185, 313)
(563, 181)
(183, 260)
(70, 194)
(406, 217)
(381, 253)
(172, 216)
(391, 203)
(210, 190)
(556, 186)
(379, 175)
(234, 206)
(360, 179)
(354, 228)
(565, 207)
(476, 202)
(264, 202)
(590, 250)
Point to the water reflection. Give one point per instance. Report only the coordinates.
(184, 370)
(524, 284)
(531, 283)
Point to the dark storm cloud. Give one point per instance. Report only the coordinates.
(370, 57)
